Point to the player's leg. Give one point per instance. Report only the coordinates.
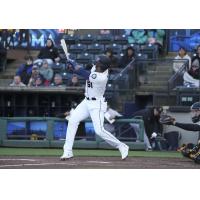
(97, 116)
(79, 114)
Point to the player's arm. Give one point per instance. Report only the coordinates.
(78, 69)
(169, 120)
(188, 127)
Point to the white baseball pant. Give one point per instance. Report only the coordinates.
(95, 109)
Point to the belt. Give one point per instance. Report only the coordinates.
(93, 98)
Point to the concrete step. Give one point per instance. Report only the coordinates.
(157, 82)
(157, 73)
(150, 88)
(164, 65)
(158, 78)
(5, 82)
(7, 76)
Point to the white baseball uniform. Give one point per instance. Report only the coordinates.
(94, 106)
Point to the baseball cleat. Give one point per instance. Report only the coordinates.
(66, 156)
(124, 151)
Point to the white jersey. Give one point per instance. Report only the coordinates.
(96, 85)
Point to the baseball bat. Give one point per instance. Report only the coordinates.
(64, 46)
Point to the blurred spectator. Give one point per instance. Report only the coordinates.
(23, 37)
(151, 117)
(127, 58)
(46, 72)
(25, 70)
(3, 54)
(156, 37)
(191, 78)
(6, 36)
(17, 82)
(57, 81)
(49, 52)
(105, 32)
(138, 36)
(74, 81)
(181, 59)
(36, 78)
(114, 60)
(195, 66)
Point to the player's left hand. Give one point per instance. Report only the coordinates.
(167, 120)
(71, 64)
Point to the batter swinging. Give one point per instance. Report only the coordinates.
(93, 105)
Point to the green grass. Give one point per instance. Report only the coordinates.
(80, 152)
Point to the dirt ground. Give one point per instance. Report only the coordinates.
(33, 162)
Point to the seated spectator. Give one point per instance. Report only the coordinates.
(25, 70)
(17, 82)
(114, 60)
(49, 52)
(127, 58)
(57, 81)
(191, 78)
(46, 72)
(36, 78)
(181, 59)
(74, 82)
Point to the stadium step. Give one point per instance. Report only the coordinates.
(5, 82)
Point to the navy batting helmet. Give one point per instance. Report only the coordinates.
(104, 62)
(196, 107)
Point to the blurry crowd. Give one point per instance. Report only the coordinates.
(40, 72)
(189, 66)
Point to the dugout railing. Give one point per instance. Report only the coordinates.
(50, 132)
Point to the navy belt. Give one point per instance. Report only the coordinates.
(93, 98)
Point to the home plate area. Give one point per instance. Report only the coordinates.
(34, 162)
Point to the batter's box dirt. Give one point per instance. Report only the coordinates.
(33, 162)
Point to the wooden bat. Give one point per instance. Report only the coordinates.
(64, 46)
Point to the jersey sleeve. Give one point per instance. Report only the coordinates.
(188, 127)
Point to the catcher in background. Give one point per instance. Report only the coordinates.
(187, 150)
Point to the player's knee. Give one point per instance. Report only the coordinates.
(98, 131)
(73, 120)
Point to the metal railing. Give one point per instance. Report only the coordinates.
(177, 78)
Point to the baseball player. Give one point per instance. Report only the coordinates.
(168, 120)
(93, 105)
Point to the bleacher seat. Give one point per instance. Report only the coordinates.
(84, 58)
(77, 48)
(70, 39)
(73, 56)
(140, 56)
(58, 67)
(122, 40)
(95, 49)
(105, 39)
(150, 50)
(135, 47)
(86, 39)
(115, 47)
